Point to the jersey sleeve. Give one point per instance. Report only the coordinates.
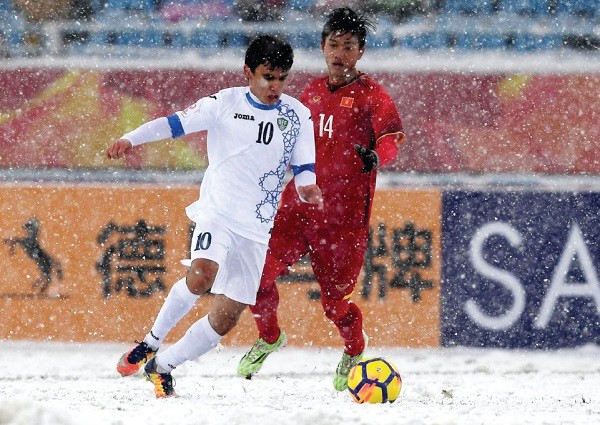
(304, 149)
(387, 126)
(151, 131)
(197, 117)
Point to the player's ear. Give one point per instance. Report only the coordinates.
(247, 71)
(361, 52)
(323, 45)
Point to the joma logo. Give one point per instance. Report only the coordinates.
(243, 117)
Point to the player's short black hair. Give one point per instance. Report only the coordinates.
(345, 20)
(269, 50)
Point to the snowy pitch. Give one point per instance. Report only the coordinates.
(59, 383)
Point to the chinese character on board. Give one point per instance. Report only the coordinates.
(133, 259)
(410, 251)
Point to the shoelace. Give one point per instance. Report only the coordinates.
(346, 364)
(258, 349)
(169, 382)
(139, 352)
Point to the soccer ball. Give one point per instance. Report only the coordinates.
(374, 380)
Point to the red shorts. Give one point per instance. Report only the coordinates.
(337, 253)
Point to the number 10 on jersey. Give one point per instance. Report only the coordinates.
(265, 133)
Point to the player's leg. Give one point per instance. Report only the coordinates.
(337, 261)
(204, 334)
(235, 287)
(286, 246)
(337, 258)
(208, 245)
(264, 310)
(200, 338)
(182, 298)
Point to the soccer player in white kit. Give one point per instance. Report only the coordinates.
(254, 134)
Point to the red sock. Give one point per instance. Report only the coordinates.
(350, 327)
(348, 318)
(265, 313)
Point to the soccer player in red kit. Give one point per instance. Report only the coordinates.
(357, 129)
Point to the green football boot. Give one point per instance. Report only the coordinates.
(256, 356)
(340, 380)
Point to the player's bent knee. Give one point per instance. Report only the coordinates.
(201, 275)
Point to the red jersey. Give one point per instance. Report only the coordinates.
(360, 112)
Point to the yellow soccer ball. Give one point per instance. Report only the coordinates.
(374, 380)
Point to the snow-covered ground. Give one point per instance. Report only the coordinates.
(59, 383)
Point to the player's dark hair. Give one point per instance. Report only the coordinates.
(344, 20)
(269, 50)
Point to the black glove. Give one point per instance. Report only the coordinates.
(369, 158)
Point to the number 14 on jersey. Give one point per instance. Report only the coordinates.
(325, 125)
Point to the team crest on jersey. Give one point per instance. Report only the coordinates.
(315, 99)
(282, 123)
(347, 102)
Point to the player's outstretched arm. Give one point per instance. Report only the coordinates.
(311, 194)
(158, 129)
(118, 149)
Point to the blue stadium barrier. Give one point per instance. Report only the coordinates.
(460, 24)
(14, 40)
(589, 8)
(469, 7)
(427, 41)
(5, 5)
(480, 41)
(152, 38)
(236, 38)
(526, 7)
(103, 38)
(126, 38)
(527, 42)
(300, 5)
(205, 37)
(176, 39)
(305, 39)
(144, 6)
(564, 24)
(382, 39)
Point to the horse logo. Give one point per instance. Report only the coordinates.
(31, 246)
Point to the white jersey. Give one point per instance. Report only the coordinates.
(250, 146)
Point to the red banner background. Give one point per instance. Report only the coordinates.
(455, 122)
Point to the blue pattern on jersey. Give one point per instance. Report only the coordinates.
(297, 169)
(271, 183)
(176, 127)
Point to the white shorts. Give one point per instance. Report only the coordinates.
(240, 260)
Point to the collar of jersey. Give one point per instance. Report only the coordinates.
(333, 88)
(254, 102)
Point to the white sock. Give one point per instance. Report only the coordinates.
(177, 304)
(199, 339)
